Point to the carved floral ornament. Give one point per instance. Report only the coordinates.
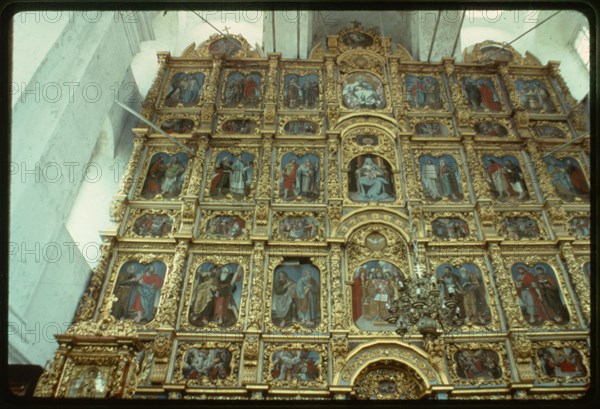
(392, 351)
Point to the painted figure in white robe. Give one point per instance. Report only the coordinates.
(371, 181)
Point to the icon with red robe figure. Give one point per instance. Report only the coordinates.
(242, 90)
(165, 175)
(563, 362)
(481, 94)
(138, 290)
(232, 175)
(539, 294)
(423, 92)
(505, 178)
(375, 286)
(153, 225)
(300, 177)
(216, 295)
(534, 96)
(567, 177)
(295, 364)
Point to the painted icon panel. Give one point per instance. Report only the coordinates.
(567, 177)
(488, 128)
(300, 177)
(185, 89)
(296, 295)
(356, 39)
(301, 127)
(206, 363)
(216, 295)
(373, 289)
(89, 382)
(228, 46)
(165, 175)
(431, 129)
(520, 227)
(232, 176)
(362, 90)
(137, 291)
(580, 227)
(478, 364)
(539, 294)
(440, 178)
(550, 131)
(300, 228)
(295, 364)
(448, 228)
(153, 225)
(301, 91)
(370, 179)
(242, 90)
(481, 94)
(239, 126)
(225, 227)
(463, 291)
(505, 178)
(534, 96)
(561, 362)
(177, 125)
(423, 92)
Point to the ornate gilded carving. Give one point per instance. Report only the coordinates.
(381, 381)
(89, 300)
(255, 315)
(575, 268)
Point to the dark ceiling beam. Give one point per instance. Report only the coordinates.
(435, 29)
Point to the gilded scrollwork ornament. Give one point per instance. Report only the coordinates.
(575, 268)
(87, 305)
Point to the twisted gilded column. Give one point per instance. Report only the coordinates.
(170, 292)
(264, 190)
(269, 112)
(479, 184)
(411, 185)
(505, 286)
(207, 111)
(333, 107)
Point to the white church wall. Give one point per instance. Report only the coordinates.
(53, 141)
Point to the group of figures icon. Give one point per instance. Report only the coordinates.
(377, 283)
(360, 90)
(370, 177)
